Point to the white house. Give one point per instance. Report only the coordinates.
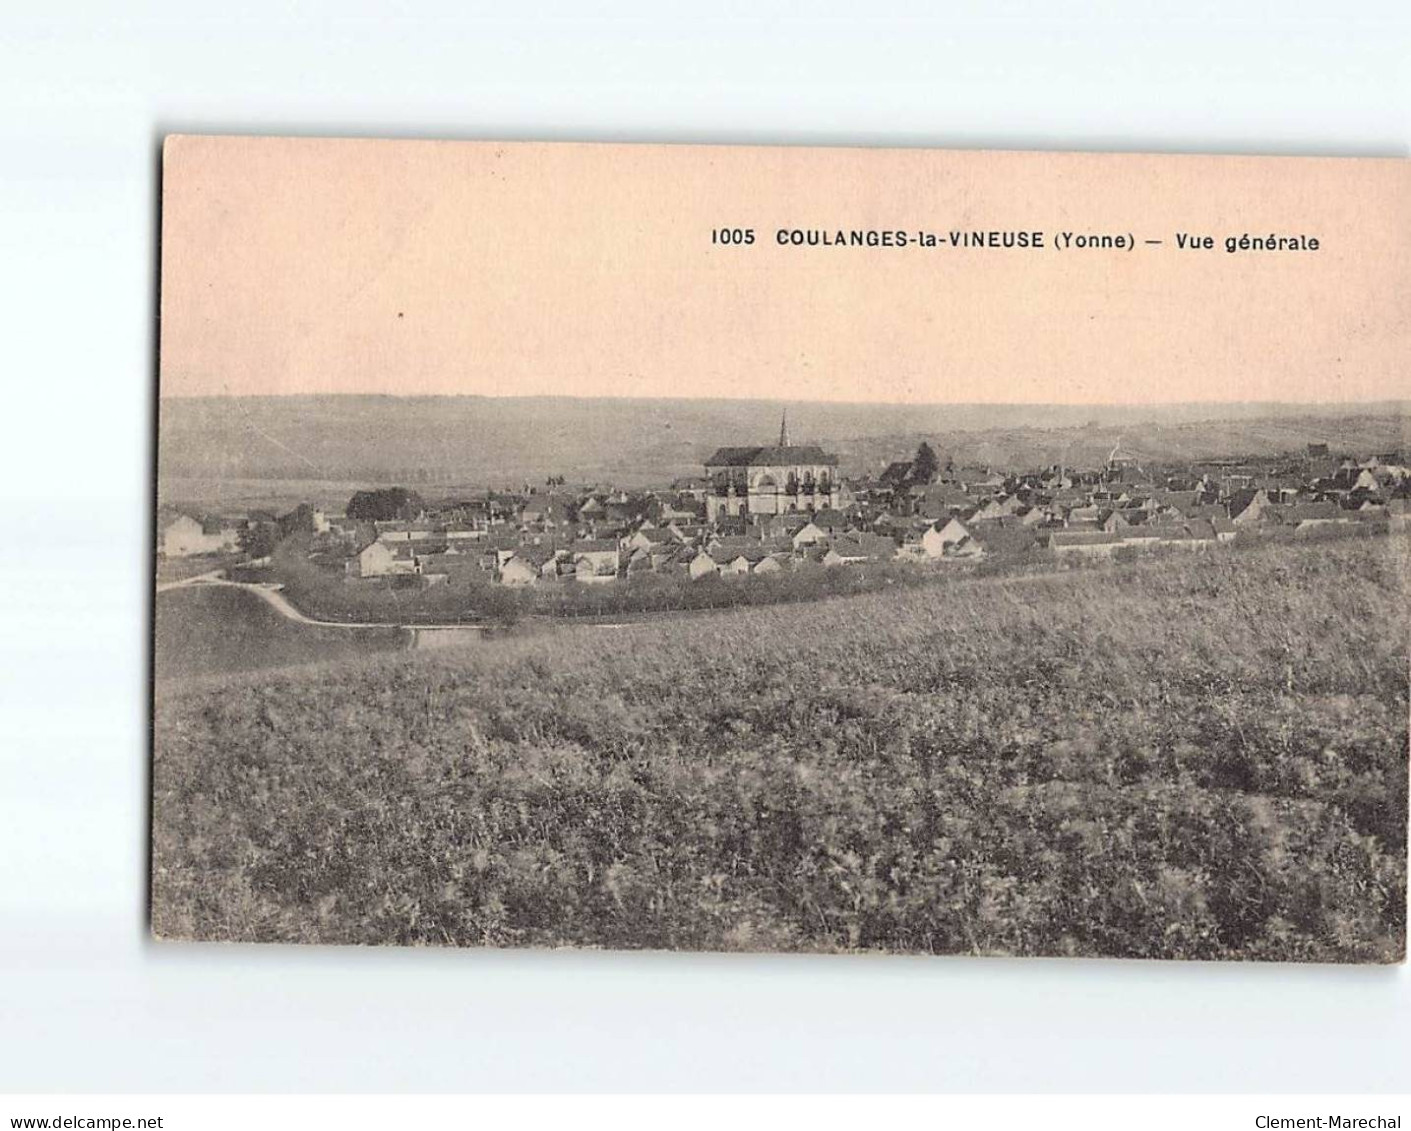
(595, 561)
(183, 537)
(701, 565)
(737, 565)
(519, 570)
(947, 540)
(377, 559)
(809, 534)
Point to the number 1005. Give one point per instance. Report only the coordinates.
(732, 235)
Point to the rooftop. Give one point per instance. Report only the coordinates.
(772, 456)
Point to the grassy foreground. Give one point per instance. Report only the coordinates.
(1203, 758)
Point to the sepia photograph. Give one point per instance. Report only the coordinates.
(781, 549)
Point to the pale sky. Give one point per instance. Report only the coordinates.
(415, 267)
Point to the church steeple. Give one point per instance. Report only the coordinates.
(784, 430)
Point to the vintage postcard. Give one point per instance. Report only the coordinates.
(782, 549)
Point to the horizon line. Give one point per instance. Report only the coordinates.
(1401, 402)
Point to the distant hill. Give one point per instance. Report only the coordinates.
(508, 441)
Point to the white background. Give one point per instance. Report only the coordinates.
(85, 95)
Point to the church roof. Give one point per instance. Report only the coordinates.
(771, 456)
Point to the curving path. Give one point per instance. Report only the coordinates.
(271, 593)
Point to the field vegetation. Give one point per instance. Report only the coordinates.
(1203, 757)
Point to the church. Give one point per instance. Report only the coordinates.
(771, 480)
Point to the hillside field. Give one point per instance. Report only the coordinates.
(205, 630)
(1168, 759)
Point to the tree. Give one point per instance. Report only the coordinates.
(384, 505)
(258, 539)
(925, 466)
(298, 521)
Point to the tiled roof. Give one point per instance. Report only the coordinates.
(1305, 512)
(771, 457)
(1061, 538)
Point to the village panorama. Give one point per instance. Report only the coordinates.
(1131, 705)
(764, 523)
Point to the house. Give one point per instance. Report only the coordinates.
(1366, 481)
(942, 500)
(1247, 506)
(911, 546)
(701, 565)
(378, 559)
(727, 549)
(671, 559)
(849, 549)
(1308, 517)
(782, 525)
(622, 510)
(521, 569)
(939, 541)
(665, 511)
(1114, 523)
(544, 512)
(737, 565)
(184, 536)
(454, 569)
(744, 556)
(398, 531)
(648, 538)
(896, 527)
(1174, 502)
(639, 562)
(990, 511)
(1197, 534)
(1084, 542)
(831, 521)
(995, 538)
(594, 561)
(685, 533)
(1149, 534)
(692, 487)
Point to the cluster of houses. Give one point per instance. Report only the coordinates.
(765, 510)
